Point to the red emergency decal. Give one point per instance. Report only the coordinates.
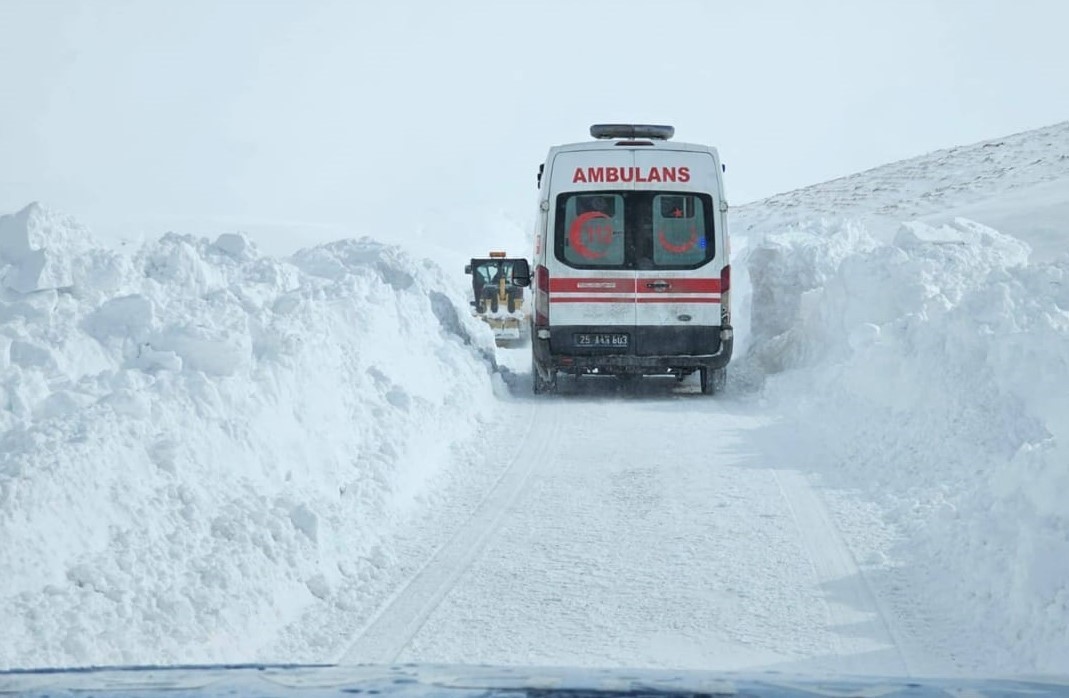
(586, 231)
(612, 175)
(678, 249)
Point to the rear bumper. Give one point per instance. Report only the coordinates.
(550, 355)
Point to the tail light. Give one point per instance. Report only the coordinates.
(725, 295)
(541, 296)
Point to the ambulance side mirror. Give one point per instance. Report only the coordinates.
(467, 268)
(521, 273)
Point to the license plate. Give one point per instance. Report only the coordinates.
(601, 339)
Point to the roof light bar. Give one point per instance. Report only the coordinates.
(660, 132)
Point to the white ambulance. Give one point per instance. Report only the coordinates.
(631, 271)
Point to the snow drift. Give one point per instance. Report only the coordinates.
(197, 441)
(1018, 185)
(931, 372)
(914, 322)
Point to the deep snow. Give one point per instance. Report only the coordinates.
(924, 364)
(1015, 184)
(930, 375)
(199, 441)
(207, 453)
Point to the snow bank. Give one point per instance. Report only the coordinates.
(1018, 184)
(932, 372)
(198, 442)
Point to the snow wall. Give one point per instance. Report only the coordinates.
(197, 441)
(931, 374)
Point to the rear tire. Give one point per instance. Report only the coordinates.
(712, 380)
(490, 298)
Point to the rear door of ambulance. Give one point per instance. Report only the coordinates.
(591, 284)
(681, 252)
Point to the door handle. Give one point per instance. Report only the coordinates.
(659, 285)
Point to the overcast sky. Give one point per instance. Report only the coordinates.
(398, 118)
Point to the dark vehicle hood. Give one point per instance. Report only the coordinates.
(433, 681)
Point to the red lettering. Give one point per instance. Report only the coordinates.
(630, 174)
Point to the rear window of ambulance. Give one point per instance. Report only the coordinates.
(679, 230)
(634, 230)
(593, 230)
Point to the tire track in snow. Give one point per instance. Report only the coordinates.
(402, 616)
(627, 550)
(834, 563)
(636, 548)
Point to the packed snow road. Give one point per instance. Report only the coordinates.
(597, 548)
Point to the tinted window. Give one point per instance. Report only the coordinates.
(591, 230)
(634, 230)
(492, 270)
(679, 230)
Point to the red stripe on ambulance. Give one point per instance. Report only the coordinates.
(681, 286)
(591, 285)
(635, 299)
(609, 285)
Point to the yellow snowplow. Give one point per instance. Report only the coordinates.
(497, 297)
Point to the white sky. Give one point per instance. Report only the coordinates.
(399, 118)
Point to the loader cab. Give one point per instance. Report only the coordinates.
(498, 283)
(632, 275)
(497, 276)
